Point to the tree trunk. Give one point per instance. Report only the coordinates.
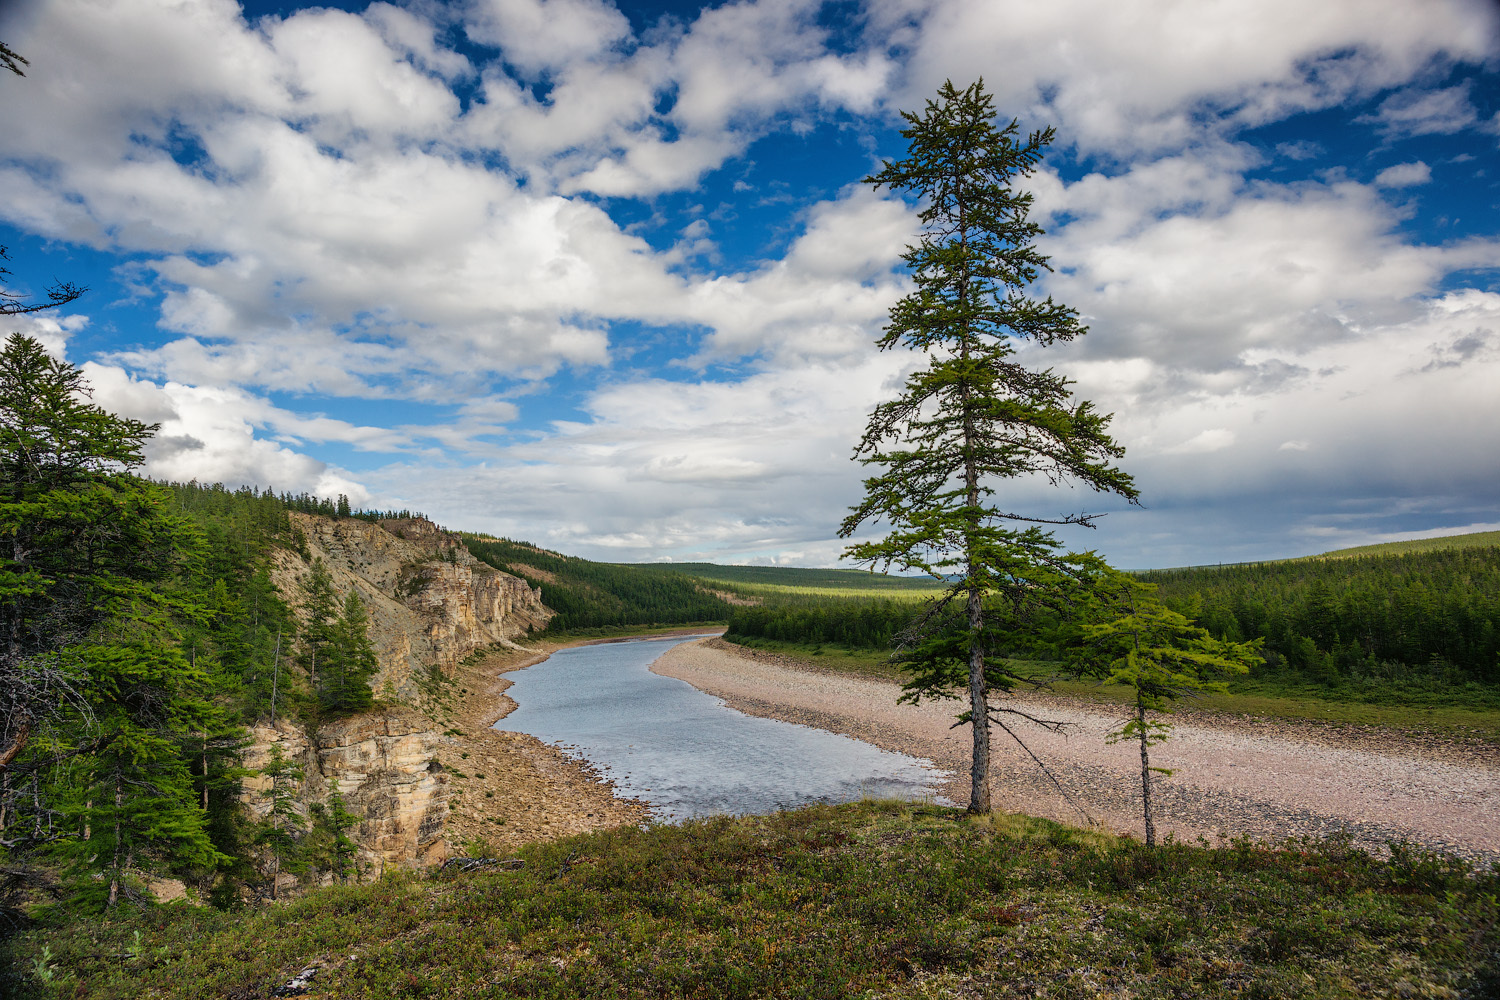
(979, 704)
(16, 745)
(1140, 718)
(114, 881)
(979, 710)
(275, 674)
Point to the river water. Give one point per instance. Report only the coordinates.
(662, 740)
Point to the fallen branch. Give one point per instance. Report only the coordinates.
(462, 865)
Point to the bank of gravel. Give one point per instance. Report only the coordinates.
(511, 789)
(1234, 776)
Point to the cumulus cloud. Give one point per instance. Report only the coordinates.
(1133, 77)
(335, 206)
(1404, 175)
(1416, 112)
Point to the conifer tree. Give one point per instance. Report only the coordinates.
(351, 662)
(283, 824)
(974, 416)
(319, 616)
(1125, 635)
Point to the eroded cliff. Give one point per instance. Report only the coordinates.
(430, 601)
(431, 605)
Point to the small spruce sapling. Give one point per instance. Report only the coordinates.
(1127, 636)
(283, 824)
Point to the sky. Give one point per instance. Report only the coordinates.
(604, 277)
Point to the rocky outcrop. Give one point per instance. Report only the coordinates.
(385, 767)
(430, 604)
(430, 601)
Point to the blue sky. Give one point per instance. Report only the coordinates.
(603, 277)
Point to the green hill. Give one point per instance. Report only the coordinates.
(797, 578)
(1472, 540)
(595, 595)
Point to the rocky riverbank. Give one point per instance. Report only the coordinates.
(1234, 777)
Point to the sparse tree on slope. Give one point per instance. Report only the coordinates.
(974, 416)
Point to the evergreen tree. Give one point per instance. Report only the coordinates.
(351, 662)
(974, 416)
(319, 617)
(337, 820)
(283, 824)
(99, 702)
(1127, 636)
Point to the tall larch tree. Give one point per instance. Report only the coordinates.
(973, 416)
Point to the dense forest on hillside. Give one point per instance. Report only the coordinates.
(142, 634)
(1424, 621)
(858, 623)
(1434, 613)
(594, 595)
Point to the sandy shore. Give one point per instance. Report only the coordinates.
(1260, 778)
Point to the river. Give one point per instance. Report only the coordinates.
(663, 741)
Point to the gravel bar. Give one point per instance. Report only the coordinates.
(1235, 776)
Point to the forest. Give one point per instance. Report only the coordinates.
(591, 595)
(142, 636)
(1425, 622)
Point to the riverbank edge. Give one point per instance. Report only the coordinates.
(535, 790)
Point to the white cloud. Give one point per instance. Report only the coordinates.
(1136, 76)
(1205, 441)
(706, 469)
(210, 435)
(1404, 175)
(323, 216)
(1426, 112)
(537, 36)
(1182, 262)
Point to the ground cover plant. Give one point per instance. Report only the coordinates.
(874, 899)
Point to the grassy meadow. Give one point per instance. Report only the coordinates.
(874, 899)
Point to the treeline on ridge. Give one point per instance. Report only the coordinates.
(1421, 617)
(1416, 621)
(594, 595)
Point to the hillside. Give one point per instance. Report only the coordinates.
(874, 899)
(593, 595)
(1472, 540)
(796, 578)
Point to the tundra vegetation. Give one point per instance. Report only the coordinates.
(873, 899)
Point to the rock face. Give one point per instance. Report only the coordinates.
(430, 601)
(430, 604)
(384, 765)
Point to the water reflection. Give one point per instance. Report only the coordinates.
(662, 740)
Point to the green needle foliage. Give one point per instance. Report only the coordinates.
(1129, 637)
(974, 416)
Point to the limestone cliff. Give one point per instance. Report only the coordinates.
(430, 604)
(430, 601)
(385, 766)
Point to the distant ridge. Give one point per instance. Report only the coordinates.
(796, 576)
(1472, 540)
